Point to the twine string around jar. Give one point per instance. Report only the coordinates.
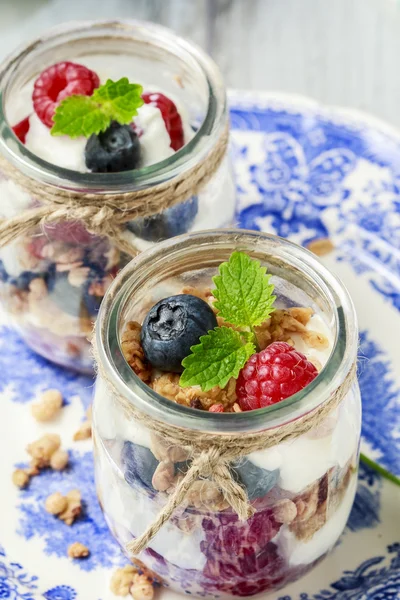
(213, 452)
(106, 214)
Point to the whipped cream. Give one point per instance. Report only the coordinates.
(69, 153)
(59, 150)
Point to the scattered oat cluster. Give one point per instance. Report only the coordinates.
(128, 580)
(66, 508)
(48, 407)
(46, 452)
(78, 550)
(321, 247)
(84, 432)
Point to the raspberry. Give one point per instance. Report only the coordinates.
(58, 82)
(241, 558)
(36, 244)
(172, 119)
(71, 232)
(272, 375)
(21, 129)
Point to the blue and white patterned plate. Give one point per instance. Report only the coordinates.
(305, 172)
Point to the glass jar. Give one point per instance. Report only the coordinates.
(52, 281)
(310, 481)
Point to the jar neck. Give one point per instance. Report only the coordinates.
(288, 263)
(125, 37)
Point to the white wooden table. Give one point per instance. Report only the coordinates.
(344, 52)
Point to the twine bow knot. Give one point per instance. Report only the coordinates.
(105, 214)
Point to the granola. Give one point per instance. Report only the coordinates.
(84, 432)
(59, 460)
(167, 385)
(73, 508)
(133, 351)
(42, 450)
(20, 478)
(122, 580)
(141, 588)
(78, 550)
(56, 503)
(321, 247)
(48, 407)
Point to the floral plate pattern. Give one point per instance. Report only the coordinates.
(304, 172)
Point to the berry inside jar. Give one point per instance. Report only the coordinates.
(232, 347)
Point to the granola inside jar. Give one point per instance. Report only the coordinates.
(53, 277)
(300, 489)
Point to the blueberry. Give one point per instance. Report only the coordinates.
(116, 149)
(139, 464)
(171, 327)
(23, 280)
(68, 298)
(3, 273)
(91, 302)
(258, 482)
(50, 276)
(171, 222)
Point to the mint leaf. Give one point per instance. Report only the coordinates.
(84, 115)
(120, 99)
(219, 356)
(79, 115)
(243, 292)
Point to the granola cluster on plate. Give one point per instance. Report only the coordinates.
(46, 453)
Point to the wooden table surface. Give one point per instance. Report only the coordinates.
(343, 52)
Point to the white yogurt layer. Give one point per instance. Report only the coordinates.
(305, 459)
(69, 153)
(111, 423)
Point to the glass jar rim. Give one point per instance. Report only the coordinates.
(184, 159)
(144, 398)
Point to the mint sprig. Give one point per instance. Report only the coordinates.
(84, 115)
(243, 291)
(219, 356)
(244, 299)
